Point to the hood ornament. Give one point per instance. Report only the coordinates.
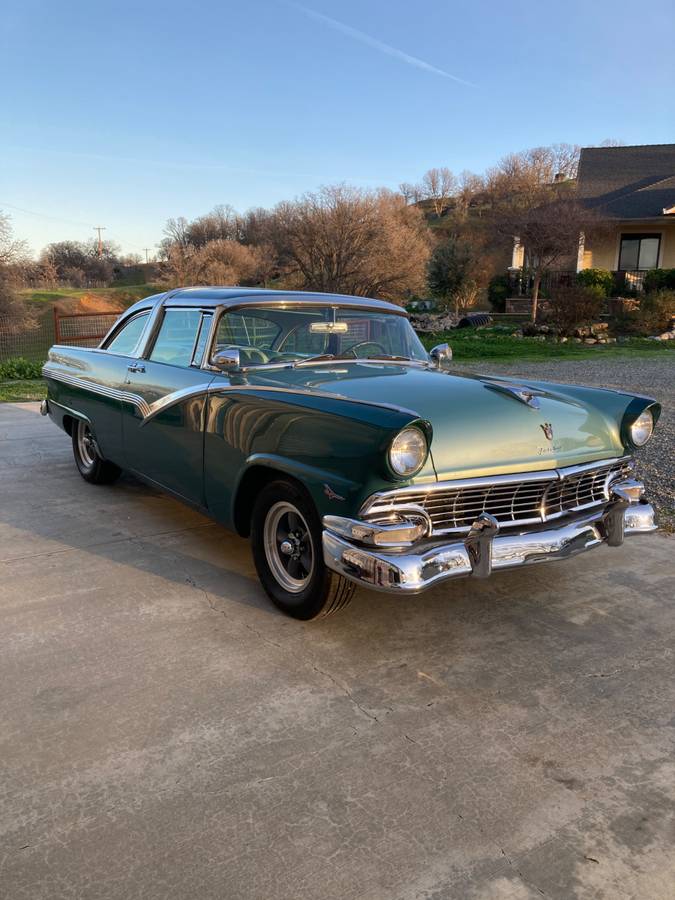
(547, 428)
(518, 392)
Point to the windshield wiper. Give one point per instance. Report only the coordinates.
(312, 359)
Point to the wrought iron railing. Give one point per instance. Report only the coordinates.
(627, 282)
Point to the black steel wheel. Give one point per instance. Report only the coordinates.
(91, 465)
(286, 543)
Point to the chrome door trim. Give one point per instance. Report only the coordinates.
(101, 390)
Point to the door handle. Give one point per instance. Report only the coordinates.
(135, 368)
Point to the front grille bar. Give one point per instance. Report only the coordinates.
(527, 498)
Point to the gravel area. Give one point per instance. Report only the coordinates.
(653, 377)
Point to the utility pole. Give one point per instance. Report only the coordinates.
(99, 229)
(147, 250)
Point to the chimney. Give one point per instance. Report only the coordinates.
(558, 177)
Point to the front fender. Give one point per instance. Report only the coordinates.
(338, 451)
(329, 489)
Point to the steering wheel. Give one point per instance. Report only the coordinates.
(253, 354)
(375, 344)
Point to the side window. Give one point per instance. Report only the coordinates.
(177, 335)
(127, 337)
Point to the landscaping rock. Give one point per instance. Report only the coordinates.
(432, 322)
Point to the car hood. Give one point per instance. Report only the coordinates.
(480, 427)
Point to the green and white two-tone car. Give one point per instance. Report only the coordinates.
(319, 425)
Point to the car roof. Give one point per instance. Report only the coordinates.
(237, 296)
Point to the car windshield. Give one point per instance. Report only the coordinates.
(269, 335)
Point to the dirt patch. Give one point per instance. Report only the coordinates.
(89, 303)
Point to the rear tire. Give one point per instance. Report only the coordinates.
(288, 556)
(91, 465)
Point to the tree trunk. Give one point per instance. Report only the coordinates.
(535, 295)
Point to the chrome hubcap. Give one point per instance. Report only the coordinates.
(85, 444)
(288, 547)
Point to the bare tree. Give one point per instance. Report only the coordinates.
(78, 262)
(523, 175)
(14, 313)
(345, 240)
(438, 185)
(12, 251)
(217, 262)
(549, 232)
(411, 193)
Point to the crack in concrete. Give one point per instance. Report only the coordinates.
(519, 873)
(347, 693)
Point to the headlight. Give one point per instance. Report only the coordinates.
(641, 429)
(408, 452)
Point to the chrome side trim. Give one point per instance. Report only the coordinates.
(101, 390)
(186, 393)
(154, 409)
(148, 411)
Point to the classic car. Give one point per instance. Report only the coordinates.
(319, 426)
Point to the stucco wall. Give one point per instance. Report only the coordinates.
(604, 253)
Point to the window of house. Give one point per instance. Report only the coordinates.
(639, 251)
(128, 336)
(177, 336)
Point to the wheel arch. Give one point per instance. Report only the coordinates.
(256, 477)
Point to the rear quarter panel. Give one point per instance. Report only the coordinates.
(77, 379)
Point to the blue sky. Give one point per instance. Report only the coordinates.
(125, 114)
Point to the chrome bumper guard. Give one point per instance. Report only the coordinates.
(400, 558)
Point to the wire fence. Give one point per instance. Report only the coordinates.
(33, 343)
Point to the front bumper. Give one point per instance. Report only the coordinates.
(410, 570)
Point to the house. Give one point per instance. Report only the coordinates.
(634, 188)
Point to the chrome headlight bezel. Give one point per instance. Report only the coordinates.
(641, 428)
(412, 442)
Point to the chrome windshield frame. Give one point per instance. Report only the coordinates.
(222, 310)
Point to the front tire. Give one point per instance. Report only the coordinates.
(91, 465)
(286, 543)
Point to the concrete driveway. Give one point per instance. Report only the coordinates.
(166, 734)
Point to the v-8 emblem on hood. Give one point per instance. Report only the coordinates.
(547, 428)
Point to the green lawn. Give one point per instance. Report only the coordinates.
(22, 391)
(469, 345)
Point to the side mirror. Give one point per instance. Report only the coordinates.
(441, 355)
(226, 360)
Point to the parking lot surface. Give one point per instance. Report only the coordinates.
(165, 733)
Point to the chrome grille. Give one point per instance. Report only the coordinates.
(513, 500)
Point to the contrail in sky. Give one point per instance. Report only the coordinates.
(375, 44)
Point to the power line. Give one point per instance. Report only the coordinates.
(39, 215)
(147, 250)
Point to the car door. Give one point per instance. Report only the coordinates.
(164, 439)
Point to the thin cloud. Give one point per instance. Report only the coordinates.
(377, 45)
(189, 165)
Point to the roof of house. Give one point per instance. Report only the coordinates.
(628, 182)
